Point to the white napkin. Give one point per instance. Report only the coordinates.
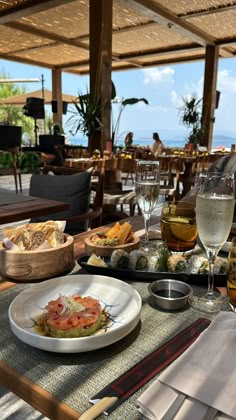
(206, 372)
(154, 232)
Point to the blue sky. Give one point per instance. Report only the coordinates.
(163, 87)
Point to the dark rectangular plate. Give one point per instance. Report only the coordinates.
(147, 276)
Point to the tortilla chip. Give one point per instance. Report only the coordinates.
(125, 230)
(114, 231)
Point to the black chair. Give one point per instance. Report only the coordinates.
(75, 188)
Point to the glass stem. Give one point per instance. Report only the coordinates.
(146, 218)
(211, 258)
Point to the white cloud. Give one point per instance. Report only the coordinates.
(157, 76)
(226, 82)
(175, 99)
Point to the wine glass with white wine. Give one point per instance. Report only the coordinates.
(147, 187)
(214, 214)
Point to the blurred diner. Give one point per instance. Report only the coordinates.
(129, 139)
(157, 146)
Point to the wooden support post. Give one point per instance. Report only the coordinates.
(100, 15)
(209, 94)
(57, 95)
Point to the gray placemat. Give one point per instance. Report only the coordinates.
(9, 197)
(73, 378)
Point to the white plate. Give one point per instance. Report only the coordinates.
(121, 301)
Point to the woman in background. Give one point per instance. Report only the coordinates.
(129, 139)
(157, 146)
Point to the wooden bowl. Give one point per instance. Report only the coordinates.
(36, 265)
(106, 251)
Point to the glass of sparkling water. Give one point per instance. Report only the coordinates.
(147, 187)
(214, 215)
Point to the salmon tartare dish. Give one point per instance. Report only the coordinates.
(72, 317)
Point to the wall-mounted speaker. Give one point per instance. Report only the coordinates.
(54, 107)
(217, 99)
(34, 108)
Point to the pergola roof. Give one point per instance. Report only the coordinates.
(55, 33)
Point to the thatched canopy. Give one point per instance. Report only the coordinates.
(55, 33)
(99, 36)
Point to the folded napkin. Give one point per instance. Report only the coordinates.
(206, 373)
(154, 232)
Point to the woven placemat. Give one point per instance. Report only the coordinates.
(74, 378)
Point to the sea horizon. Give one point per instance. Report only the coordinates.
(170, 139)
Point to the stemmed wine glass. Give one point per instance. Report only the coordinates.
(147, 187)
(214, 214)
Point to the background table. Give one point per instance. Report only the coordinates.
(17, 207)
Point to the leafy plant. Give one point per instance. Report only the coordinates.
(87, 115)
(190, 116)
(6, 160)
(29, 162)
(123, 103)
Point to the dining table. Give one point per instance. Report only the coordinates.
(15, 207)
(60, 385)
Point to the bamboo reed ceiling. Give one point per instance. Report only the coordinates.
(55, 33)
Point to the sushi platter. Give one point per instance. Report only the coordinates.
(147, 276)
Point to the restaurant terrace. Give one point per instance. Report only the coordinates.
(113, 263)
(98, 37)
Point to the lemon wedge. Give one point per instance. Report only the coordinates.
(184, 232)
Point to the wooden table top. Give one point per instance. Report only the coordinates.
(32, 207)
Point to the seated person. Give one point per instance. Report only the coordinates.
(157, 146)
(129, 139)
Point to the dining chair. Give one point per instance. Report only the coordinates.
(14, 168)
(75, 188)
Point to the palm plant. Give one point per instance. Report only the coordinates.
(190, 116)
(123, 103)
(87, 115)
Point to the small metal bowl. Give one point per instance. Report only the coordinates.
(170, 294)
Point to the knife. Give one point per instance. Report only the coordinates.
(175, 406)
(129, 382)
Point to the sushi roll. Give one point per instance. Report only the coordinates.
(176, 263)
(221, 266)
(198, 265)
(157, 262)
(138, 260)
(119, 259)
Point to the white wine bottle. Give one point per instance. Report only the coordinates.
(231, 281)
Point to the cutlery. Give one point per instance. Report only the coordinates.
(98, 408)
(175, 406)
(210, 414)
(129, 382)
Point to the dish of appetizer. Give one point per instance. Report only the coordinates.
(75, 313)
(120, 236)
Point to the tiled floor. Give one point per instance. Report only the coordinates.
(12, 407)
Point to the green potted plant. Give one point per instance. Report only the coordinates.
(86, 116)
(190, 116)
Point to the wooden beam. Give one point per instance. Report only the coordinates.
(29, 7)
(100, 20)
(137, 55)
(209, 93)
(57, 95)
(160, 14)
(18, 59)
(208, 11)
(160, 62)
(47, 35)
